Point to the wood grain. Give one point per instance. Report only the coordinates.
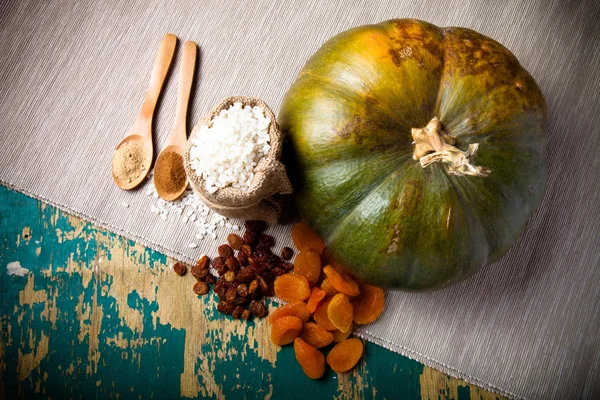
(98, 315)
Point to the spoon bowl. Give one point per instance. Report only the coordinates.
(134, 152)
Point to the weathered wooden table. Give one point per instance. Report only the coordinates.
(98, 316)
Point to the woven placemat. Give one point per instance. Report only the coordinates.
(73, 75)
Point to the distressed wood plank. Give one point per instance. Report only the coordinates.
(98, 315)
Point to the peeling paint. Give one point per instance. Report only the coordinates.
(98, 302)
(28, 362)
(30, 296)
(15, 268)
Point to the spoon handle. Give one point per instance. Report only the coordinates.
(162, 62)
(186, 77)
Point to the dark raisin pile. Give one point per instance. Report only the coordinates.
(247, 269)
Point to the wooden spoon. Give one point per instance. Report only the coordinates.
(133, 155)
(169, 174)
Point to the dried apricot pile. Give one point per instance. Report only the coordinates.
(319, 289)
(324, 301)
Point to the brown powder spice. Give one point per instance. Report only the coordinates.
(169, 172)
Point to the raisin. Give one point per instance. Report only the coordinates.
(287, 253)
(230, 294)
(220, 288)
(222, 270)
(286, 266)
(260, 255)
(258, 309)
(203, 262)
(199, 273)
(368, 305)
(308, 264)
(340, 313)
(321, 318)
(341, 281)
(316, 296)
(225, 251)
(201, 288)
(240, 301)
(253, 286)
(310, 359)
(246, 314)
(296, 309)
(245, 275)
(260, 269)
(232, 263)
(249, 237)
(285, 329)
(266, 240)
(179, 269)
(344, 355)
(210, 278)
(224, 307)
(316, 335)
(263, 285)
(339, 336)
(255, 226)
(242, 258)
(277, 271)
(246, 249)
(305, 238)
(235, 241)
(237, 312)
(274, 259)
(242, 290)
(292, 287)
(229, 276)
(217, 262)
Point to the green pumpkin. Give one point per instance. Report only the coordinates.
(417, 151)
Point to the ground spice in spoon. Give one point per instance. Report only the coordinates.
(169, 172)
(129, 161)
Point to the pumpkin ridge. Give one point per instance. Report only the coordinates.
(343, 221)
(378, 104)
(373, 186)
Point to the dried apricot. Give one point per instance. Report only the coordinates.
(310, 359)
(339, 336)
(321, 318)
(292, 287)
(340, 313)
(341, 281)
(316, 335)
(285, 329)
(345, 355)
(296, 309)
(368, 305)
(328, 288)
(308, 264)
(316, 295)
(305, 238)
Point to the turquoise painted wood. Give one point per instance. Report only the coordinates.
(97, 316)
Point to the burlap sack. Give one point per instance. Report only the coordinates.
(262, 201)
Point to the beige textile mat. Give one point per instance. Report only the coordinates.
(73, 76)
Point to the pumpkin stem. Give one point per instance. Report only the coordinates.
(432, 144)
